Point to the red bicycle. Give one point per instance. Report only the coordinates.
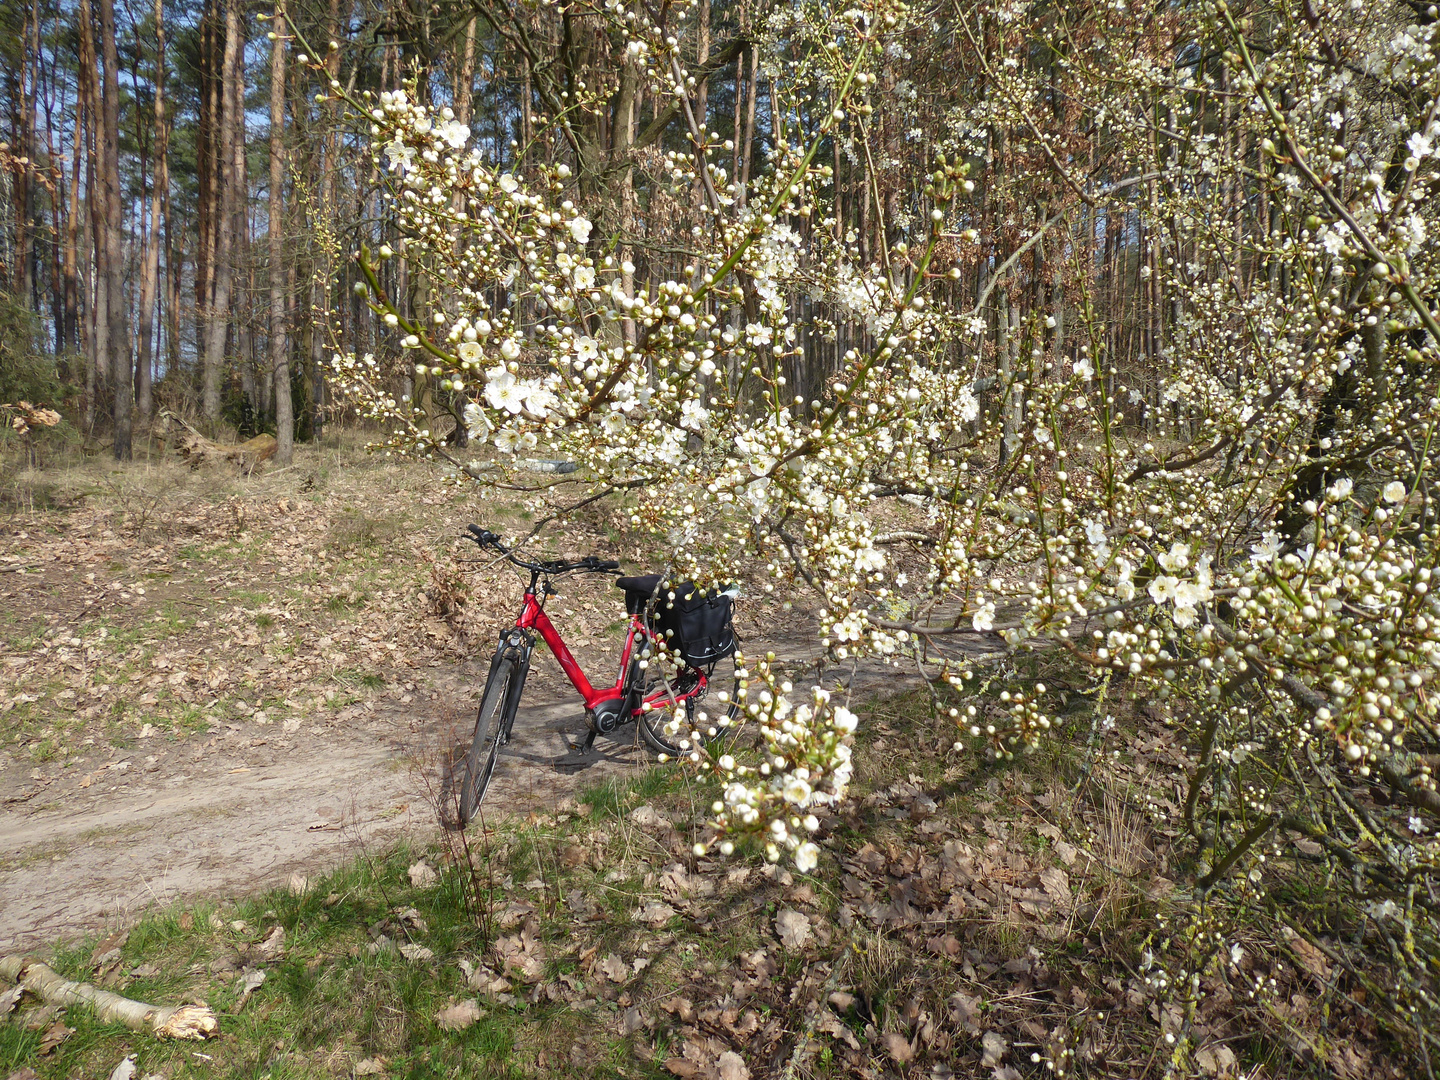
(662, 678)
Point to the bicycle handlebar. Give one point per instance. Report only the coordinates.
(590, 564)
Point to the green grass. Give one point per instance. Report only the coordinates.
(328, 998)
(331, 1001)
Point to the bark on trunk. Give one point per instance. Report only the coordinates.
(279, 341)
(218, 316)
(150, 273)
(207, 170)
(622, 138)
(465, 84)
(96, 351)
(702, 54)
(748, 142)
(114, 272)
(72, 237)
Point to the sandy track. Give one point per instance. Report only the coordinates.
(228, 814)
(243, 817)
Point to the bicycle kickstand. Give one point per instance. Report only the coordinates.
(579, 755)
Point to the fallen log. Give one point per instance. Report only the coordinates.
(197, 449)
(476, 469)
(180, 1022)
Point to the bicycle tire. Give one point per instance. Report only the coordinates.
(490, 727)
(714, 719)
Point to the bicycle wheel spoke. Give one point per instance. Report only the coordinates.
(700, 712)
(490, 725)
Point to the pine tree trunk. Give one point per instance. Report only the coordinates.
(174, 272)
(464, 90)
(205, 171)
(702, 54)
(217, 321)
(114, 260)
(748, 142)
(72, 238)
(279, 342)
(243, 289)
(22, 87)
(97, 352)
(150, 270)
(327, 217)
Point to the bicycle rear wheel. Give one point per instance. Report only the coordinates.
(682, 715)
(491, 725)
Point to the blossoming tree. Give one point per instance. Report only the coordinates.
(1243, 527)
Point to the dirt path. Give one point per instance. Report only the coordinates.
(209, 684)
(227, 814)
(251, 810)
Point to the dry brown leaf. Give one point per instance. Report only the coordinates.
(513, 914)
(614, 969)
(521, 954)
(109, 948)
(732, 1066)
(1057, 885)
(992, 1046)
(829, 1024)
(650, 819)
(654, 914)
(899, 1048)
(792, 928)
(678, 884)
(1311, 959)
(459, 1016)
(10, 998)
(945, 945)
(272, 947)
(1218, 1060)
(54, 1035)
(254, 979)
(683, 1008)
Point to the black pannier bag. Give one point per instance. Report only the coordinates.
(696, 624)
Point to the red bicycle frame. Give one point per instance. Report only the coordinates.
(533, 617)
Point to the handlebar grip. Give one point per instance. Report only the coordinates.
(609, 564)
(485, 538)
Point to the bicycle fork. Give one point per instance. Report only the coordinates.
(515, 647)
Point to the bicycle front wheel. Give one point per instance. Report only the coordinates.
(491, 723)
(683, 714)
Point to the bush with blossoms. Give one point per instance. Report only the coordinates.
(1253, 542)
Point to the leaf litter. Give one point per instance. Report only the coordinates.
(931, 941)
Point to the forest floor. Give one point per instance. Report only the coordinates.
(209, 681)
(227, 707)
